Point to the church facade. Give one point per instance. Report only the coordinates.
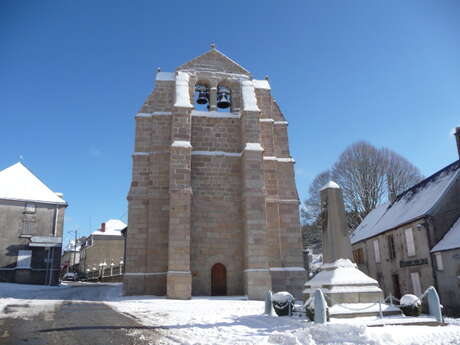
(213, 207)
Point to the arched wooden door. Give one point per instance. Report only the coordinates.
(218, 280)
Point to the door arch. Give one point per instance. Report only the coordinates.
(218, 280)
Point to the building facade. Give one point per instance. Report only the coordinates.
(31, 224)
(412, 244)
(102, 253)
(213, 206)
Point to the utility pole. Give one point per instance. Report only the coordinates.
(75, 250)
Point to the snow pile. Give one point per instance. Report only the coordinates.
(408, 300)
(235, 321)
(330, 184)
(18, 183)
(340, 272)
(282, 297)
(316, 262)
(451, 239)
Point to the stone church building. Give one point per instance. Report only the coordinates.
(213, 205)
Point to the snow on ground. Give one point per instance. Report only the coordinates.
(236, 321)
(26, 301)
(223, 321)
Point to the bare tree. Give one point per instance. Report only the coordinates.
(400, 173)
(312, 208)
(360, 172)
(366, 175)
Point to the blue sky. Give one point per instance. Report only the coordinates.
(74, 73)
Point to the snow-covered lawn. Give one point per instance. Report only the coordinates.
(208, 320)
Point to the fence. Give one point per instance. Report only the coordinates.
(318, 300)
(105, 273)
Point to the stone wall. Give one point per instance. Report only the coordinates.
(214, 201)
(14, 238)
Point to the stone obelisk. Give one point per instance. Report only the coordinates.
(336, 243)
(339, 277)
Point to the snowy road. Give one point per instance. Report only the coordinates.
(67, 315)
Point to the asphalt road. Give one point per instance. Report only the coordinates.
(77, 323)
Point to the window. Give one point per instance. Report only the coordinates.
(24, 258)
(30, 208)
(410, 242)
(27, 228)
(358, 256)
(391, 247)
(416, 287)
(376, 251)
(439, 263)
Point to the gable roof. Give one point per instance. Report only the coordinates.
(212, 61)
(451, 239)
(19, 183)
(112, 227)
(414, 203)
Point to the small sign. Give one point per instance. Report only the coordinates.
(456, 256)
(415, 262)
(46, 239)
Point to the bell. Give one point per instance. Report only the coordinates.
(202, 97)
(223, 97)
(203, 94)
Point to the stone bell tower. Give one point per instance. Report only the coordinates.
(213, 206)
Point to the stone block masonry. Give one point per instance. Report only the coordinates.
(213, 207)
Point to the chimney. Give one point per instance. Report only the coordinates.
(457, 137)
(103, 227)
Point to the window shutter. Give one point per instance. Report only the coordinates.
(439, 263)
(415, 278)
(376, 251)
(24, 259)
(410, 242)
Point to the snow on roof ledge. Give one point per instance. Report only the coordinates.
(181, 143)
(330, 184)
(182, 90)
(249, 96)
(253, 147)
(261, 84)
(451, 239)
(340, 272)
(166, 76)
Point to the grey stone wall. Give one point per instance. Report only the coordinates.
(384, 270)
(14, 238)
(448, 281)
